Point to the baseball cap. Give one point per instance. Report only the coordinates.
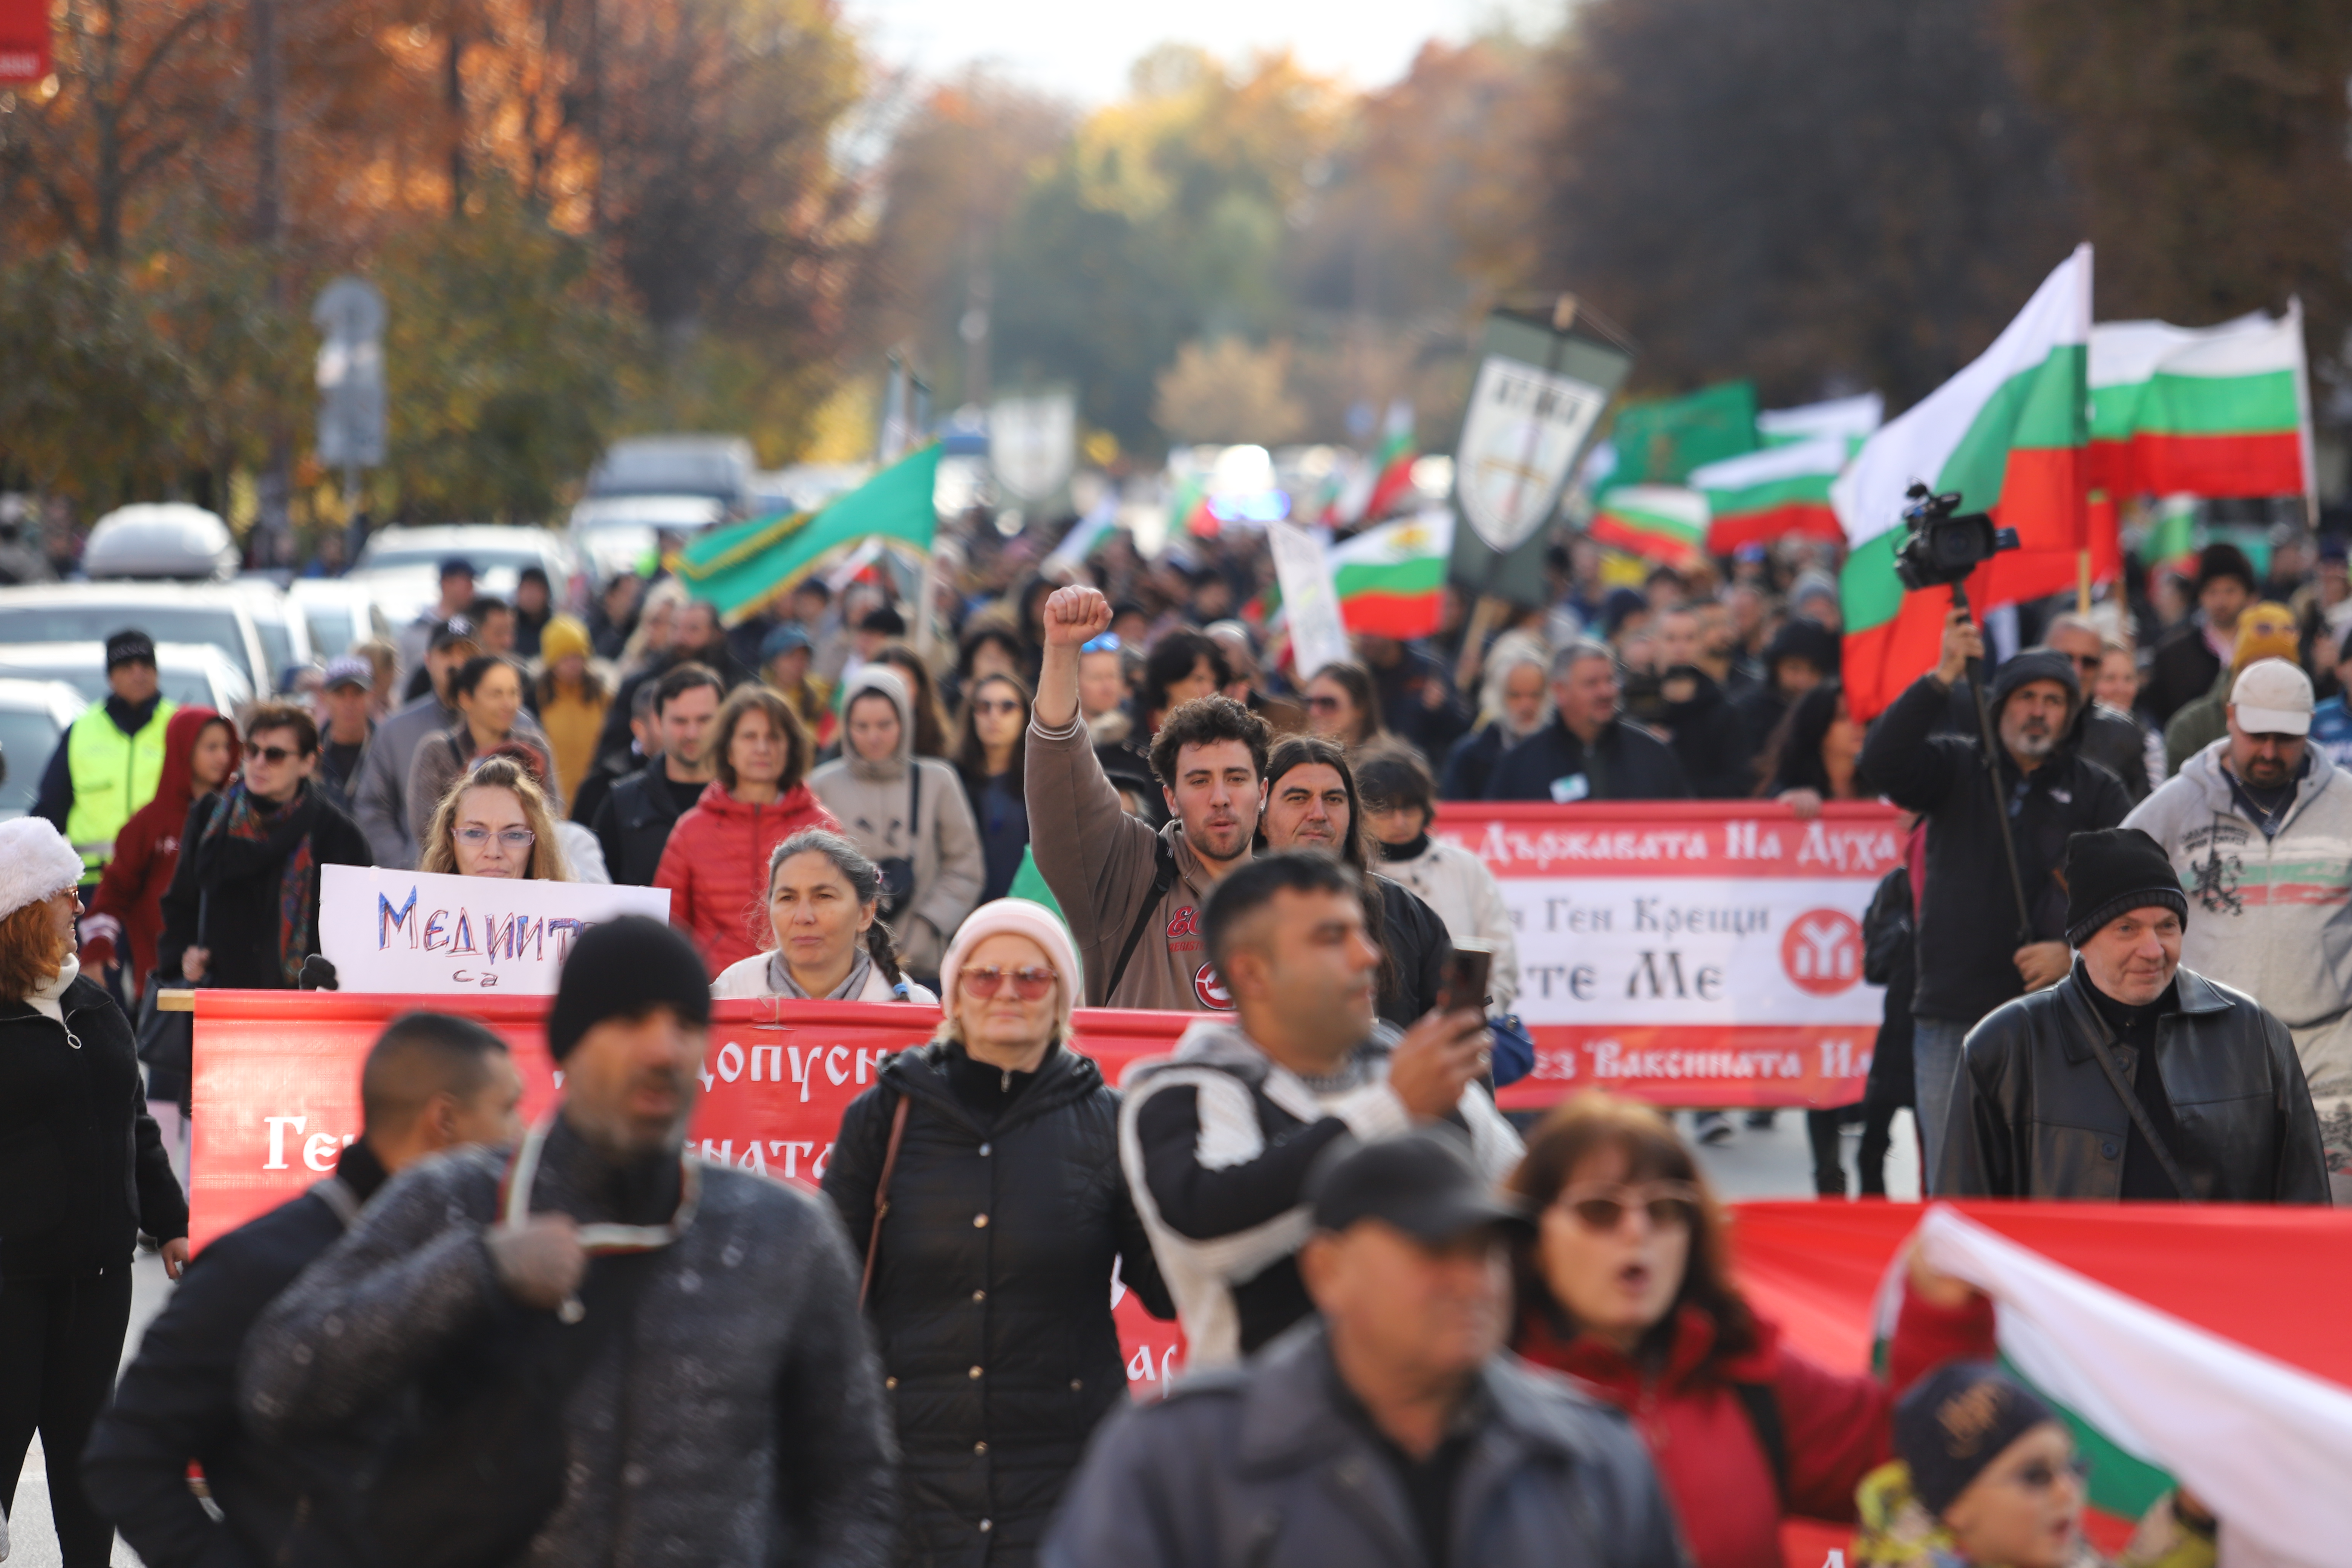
(349, 669)
(1421, 1182)
(129, 647)
(783, 639)
(453, 630)
(457, 566)
(2272, 697)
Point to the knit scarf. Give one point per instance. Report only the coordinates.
(243, 841)
(780, 978)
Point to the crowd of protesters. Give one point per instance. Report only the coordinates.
(577, 1344)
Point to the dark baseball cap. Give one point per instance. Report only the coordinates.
(455, 630)
(1421, 1182)
(130, 647)
(348, 670)
(457, 566)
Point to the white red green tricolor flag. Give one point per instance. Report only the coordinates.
(1391, 580)
(2191, 1344)
(1659, 523)
(1377, 485)
(2213, 411)
(1856, 418)
(2010, 433)
(1766, 495)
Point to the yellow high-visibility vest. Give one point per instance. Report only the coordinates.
(114, 776)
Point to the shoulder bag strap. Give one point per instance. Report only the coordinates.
(1164, 877)
(914, 805)
(1762, 1404)
(882, 1199)
(2125, 1092)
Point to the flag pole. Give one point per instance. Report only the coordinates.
(2083, 581)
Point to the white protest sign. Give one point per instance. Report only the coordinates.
(420, 933)
(1302, 566)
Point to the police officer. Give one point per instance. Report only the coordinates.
(111, 758)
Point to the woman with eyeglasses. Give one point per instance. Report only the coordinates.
(1343, 706)
(824, 922)
(494, 821)
(991, 749)
(988, 1274)
(1628, 1286)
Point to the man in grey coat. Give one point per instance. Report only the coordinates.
(727, 1409)
(1395, 1430)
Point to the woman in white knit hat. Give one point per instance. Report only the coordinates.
(82, 1172)
(989, 1275)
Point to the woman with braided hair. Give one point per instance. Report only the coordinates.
(824, 903)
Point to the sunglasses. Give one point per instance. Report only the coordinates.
(1602, 1206)
(2041, 1475)
(273, 755)
(1005, 705)
(512, 838)
(1029, 982)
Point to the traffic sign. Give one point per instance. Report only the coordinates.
(350, 315)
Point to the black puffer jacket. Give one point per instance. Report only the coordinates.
(82, 1166)
(991, 1296)
(2034, 1114)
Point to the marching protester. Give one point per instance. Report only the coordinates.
(85, 1172)
(980, 1174)
(1986, 1475)
(487, 691)
(825, 902)
(1628, 1288)
(1118, 881)
(111, 759)
(2134, 1077)
(126, 913)
(633, 824)
(496, 821)
(1390, 1427)
(345, 707)
(2110, 738)
(1970, 958)
(645, 745)
(534, 611)
(922, 699)
(2264, 631)
(243, 906)
(1517, 702)
(383, 809)
(1400, 802)
(1217, 1138)
(1343, 707)
(1310, 804)
(2192, 654)
(1695, 715)
(614, 1353)
(583, 854)
(992, 743)
(430, 1082)
(907, 813)
(785, 655)
(1587, 751)
(1800, 656)
(455, 577)
(2258, 826)
(716, 861)
(1413, 694)
(570, 701)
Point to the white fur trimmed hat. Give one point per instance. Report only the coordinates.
(1016, 917)
(36, 863)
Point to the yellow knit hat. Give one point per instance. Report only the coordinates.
(563, 637)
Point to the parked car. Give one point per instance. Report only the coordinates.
(610, 534)
(187, 672)
(216, 614)
(400, 567)
(34, 716)
(338, 613)
(284, 636)
(165, 539)
(718, 467)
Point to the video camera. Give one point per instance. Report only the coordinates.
(1943, 549)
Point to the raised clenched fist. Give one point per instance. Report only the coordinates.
(1075, 615)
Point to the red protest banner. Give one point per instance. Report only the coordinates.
(24, 42)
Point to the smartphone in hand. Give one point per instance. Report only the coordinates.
(1466, 978)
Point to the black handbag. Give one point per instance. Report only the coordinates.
(898, 871)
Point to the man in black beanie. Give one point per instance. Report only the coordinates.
(720, 1401)
(2191, 656)
(2132, 1078)
(1972, 956)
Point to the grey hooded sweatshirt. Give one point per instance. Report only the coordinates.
(937, 835)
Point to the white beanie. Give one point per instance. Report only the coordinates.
(36, 863)
(1016, 917)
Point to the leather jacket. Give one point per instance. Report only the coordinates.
(2033, 1115)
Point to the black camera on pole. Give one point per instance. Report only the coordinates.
(1942, 548)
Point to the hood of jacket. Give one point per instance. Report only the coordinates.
(716, 801)
(175, 789)
(2207, 773)
(2035, 664)
(1214, 1043)
(881, 677)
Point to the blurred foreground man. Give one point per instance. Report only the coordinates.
(596, 1350)
(2132, 1078)
(431, 1082)
(1394, 1430)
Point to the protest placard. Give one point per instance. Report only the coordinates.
(428, 934)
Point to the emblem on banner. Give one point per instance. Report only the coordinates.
(1523, 429)
(1822, 951)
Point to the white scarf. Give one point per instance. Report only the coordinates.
(46, 996)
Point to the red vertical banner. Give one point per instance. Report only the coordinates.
(24, 42)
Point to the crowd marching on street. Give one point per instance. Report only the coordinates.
(1418, 1329)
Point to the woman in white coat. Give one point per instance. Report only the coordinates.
(825, 913)
(1400, 802)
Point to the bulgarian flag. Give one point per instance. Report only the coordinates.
(1855, 418)
(1389, 580)
(1779, 491)
(2216, 411)
(1658, 522)
(2009, 433)
(1376, 487)
(2185, 1344)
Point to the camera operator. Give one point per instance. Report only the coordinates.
(1970, 957)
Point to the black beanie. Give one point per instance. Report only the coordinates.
(2222, 559)
(2114, 872)
(1957, 1420)
(622, 969)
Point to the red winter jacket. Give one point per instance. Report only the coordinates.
(716, 866)
(1837, 1426)
(125, 916)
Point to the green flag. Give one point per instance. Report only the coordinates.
(1028, 882)
(1660, 442)
(740, 568)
